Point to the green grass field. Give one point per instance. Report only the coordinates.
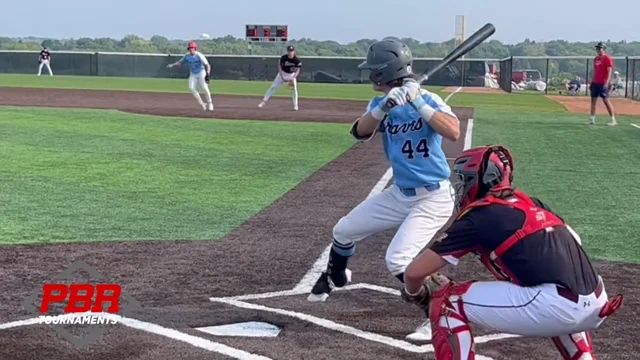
(105, 175)
(92, 175)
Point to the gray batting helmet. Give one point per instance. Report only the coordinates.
(388, 59)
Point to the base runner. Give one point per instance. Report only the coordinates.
(412, 123)
(45, 61)
(546, 284)
(289, 69)
(199, 72)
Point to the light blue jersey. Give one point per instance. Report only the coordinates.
(195, 62)
(412, 146)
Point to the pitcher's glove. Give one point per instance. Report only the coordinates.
(423, 297)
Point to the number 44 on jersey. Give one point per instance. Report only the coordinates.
(410, 149)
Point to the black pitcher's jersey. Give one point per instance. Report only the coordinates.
(290, 66)
(44, 55)
(545, 257)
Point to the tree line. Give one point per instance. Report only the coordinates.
(230, 45)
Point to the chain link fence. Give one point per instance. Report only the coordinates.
(566, 75)
(633, 78)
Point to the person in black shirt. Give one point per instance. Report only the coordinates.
(546, 284)
(44, 60)
(289, 69)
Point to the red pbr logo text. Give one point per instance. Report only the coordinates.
(79, 297)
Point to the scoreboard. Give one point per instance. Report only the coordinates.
(273, 33)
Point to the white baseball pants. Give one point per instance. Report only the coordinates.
(197, 81)
(278, 81)
(419, 217)
(42, 64)
(538, 311)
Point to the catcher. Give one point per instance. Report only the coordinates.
(546, 285)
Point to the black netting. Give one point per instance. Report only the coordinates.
(61, 63)
(256, 67)
(504, 76)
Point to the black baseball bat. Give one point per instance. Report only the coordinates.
(474, 40)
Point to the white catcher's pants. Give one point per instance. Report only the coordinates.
(419, 217)
(278, 81)
(44, 63)
(197, 81)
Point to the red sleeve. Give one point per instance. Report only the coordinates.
(609, 61)
(460, 239)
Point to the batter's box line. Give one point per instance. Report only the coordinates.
(237, 301)
(300, 291)
(153, 329)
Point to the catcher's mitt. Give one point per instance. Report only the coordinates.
(430, 285)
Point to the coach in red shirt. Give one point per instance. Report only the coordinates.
(602, 68)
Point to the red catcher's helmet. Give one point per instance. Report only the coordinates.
(192, 45)
(480, 170)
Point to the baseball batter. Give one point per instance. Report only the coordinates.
(199, 72)
(412, 123)
(289, 69)
(44, 60)
(546, 284)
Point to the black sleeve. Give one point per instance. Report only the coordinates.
(283, 59)
(544, 206)
(461, 238)
(298, 63)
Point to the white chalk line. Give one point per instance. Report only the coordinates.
(154, 329)
(332, 325)
(635, 126)
(309, 279)
(453, 93)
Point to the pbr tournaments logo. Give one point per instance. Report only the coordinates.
(80, 304)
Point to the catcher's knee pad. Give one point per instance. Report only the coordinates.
(451, 333)
(575, 346)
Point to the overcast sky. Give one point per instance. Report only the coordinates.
(339, 20)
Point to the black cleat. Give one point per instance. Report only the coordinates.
(323, 287)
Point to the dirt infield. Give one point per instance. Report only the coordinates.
(474, 90)
(582, 105)
(270, 252)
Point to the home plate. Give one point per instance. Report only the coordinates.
(246, 329)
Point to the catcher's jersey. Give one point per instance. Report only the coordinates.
(195, 62)
(412, 146)
(545, 257)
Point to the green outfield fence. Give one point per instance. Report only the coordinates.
(468, 72)
(554, 71)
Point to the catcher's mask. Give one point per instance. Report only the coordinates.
(480, 170)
